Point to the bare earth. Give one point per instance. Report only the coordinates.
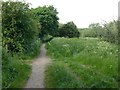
(36, 79)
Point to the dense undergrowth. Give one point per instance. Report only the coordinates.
(16, 67)
(82, 63)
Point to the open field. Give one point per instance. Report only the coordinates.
(83, 62)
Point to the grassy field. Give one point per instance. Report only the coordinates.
(82, 63)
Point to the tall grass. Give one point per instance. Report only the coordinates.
(0, 63)
(83, 63)
(16, 67)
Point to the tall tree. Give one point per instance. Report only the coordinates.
(48, 20)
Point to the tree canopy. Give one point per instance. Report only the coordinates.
(68, 30)
(18, 26)
(48, 20)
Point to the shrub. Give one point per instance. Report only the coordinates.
(18, 26)
(69, 30)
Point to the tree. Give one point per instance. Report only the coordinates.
(68, 30)
(111, 31)
(18, 26)
(48, 20)
(96, 30)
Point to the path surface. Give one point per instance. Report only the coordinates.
(36, 79)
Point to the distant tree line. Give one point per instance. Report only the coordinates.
(107, 31)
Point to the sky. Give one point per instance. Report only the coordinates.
(82, 12)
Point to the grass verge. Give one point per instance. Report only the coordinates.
(16, 68)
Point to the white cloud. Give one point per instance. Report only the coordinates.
(82, 12)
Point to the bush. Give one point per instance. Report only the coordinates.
(18, 26)
(15, 67)
(69, 30)
(20, 43)
(12, 69)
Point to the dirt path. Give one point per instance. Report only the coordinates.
(36, 79)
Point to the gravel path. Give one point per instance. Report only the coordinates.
(36, 79)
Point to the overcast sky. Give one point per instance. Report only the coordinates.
(82, 12)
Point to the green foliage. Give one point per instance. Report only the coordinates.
(87, 62)
(34, 49)
(94, 30)
(108, 32)
(16, 68)
(68, 30)
(62, 76)
(20, 43)
(48, 20)
(12, 69)
(111, 32)
(18, 27)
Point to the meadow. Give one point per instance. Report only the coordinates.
(82, 63)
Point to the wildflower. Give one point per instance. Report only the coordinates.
(110, 66)
(65, 45)
(95, 52)
(110, 53)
